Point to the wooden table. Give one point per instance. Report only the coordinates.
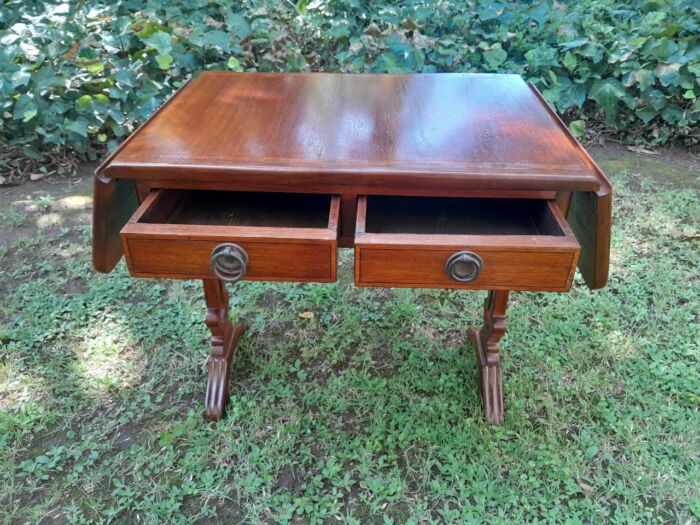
(465, 181)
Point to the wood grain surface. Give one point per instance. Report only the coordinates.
(113, 203)
(479, 131)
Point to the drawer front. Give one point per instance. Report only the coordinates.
(543, 260)
(419, 267)
(184, 251)
(268, 261)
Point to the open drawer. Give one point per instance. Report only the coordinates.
(472, 243)
(283, 236)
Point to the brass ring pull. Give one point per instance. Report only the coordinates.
(464, 267)
(229, 262)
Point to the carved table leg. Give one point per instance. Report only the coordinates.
(224, 338)
(485, 343)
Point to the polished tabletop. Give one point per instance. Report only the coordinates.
(478, 130)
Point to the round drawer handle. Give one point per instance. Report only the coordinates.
(229, 262)
(464, 267)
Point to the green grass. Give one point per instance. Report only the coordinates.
(367, 412)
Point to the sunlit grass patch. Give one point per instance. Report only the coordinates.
(73, 202)
(19, 388)
(107, 358)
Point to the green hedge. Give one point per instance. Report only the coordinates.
(84, 74)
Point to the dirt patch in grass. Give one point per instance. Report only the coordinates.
(673, 167)
(290, 479)
(55, 209)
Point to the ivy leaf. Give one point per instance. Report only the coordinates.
(78, 126)
(607, 93)
(655, 98)
(24, 105)
(94, 67)
(672, 114)
(646, 114)
(572, 44)
(494, 57)
(117, 116)
(46, 77)
(83, 103)
(668, 74)
(238, 25)
(643, 77)
(29, 114)
(571, 93)
(552, 94)
(490, 10)
(541, 58)
(662, 48)
(592, 51)
(19, 78)
(578, 128)
(339, 31)
(216, 38)
(399, 58)
(389, 63)
(100, 103)
(125, 77)
(570, 61)
(164, 61)
(539, 11)
(161, 41)
(234, 65)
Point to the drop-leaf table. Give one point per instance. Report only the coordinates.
(464, 181)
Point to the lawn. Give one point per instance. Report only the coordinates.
(351, 405)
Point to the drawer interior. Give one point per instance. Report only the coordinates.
(230, 208)
(460, 216)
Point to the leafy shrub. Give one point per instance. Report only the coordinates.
(83, 75)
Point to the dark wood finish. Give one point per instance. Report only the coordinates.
(492, 170)
(113, 203)
(350, 189)
(447, 216)
(107, 161)
(486, 344)
(156, 247)
(224, 339)
(114, 200)
(538, 251)
(589, 214)
(475, 131)
(590, 217)
(275, 210)
(563, 200)
(348, 213)
(143, 188)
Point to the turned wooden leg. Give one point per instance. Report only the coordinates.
(485, 343)
(224, 337)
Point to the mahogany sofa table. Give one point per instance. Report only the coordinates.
(465, 181)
